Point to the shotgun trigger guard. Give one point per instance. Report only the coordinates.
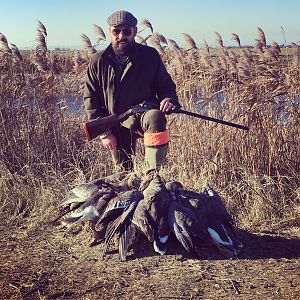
(140, 108)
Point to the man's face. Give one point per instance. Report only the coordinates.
(122, 38)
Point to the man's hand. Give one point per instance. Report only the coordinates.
(109, 142)
(166, 106)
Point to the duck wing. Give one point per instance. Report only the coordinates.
(124, 226)
(126, 215)
(128, 234)
(185, 227)
(143, 220)
(116, 207)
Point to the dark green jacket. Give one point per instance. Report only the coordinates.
(144, 78)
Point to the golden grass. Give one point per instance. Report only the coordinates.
(43, 151)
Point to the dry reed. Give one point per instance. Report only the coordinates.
(43, 151)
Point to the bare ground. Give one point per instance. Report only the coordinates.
(54, 262)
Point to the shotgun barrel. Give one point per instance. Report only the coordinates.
(189, 113)
(178, 110)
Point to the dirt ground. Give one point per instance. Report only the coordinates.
(54, 262)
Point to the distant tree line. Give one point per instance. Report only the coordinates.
(61, 49)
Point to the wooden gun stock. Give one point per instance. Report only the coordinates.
(94, 128)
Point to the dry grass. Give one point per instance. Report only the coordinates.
(43, 151)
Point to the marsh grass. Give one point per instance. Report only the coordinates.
(43, 151)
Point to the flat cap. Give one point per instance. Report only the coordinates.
(122, 17)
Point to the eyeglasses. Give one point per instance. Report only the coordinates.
(125, 31)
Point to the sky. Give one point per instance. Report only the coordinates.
(66, 20)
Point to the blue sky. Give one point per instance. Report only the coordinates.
(66, 20)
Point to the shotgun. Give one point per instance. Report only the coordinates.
(94, 128)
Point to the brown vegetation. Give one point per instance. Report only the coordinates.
(257, 172)
(43, 152)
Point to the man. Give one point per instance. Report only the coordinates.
(121, 76)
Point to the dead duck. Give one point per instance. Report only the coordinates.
(86, 192)
(87, 201)
(118, 182)
(151, 213)
(92, 208)
(123, 225)
(89, 207)
(217, 224)
(183, 222)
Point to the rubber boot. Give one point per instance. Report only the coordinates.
(121, 160)
(155, 157)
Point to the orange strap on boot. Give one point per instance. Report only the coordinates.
(152, 139)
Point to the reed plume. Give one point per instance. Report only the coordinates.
(41, 59)
(3, 38)
(261, 37)
(16, 53)
(41, 27)
(191, 44)
(41, 47)
(159, 38)
(236, 38)
(205, 46)
(172, 44)
(4, 44)
(219, 40)
(146, 24)
(276, 49)
(87, 44)
(99, 31)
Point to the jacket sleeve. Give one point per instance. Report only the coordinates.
(93, 94)
(164, 86)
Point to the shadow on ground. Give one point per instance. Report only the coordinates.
(262, 245)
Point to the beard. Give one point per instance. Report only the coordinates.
(122, 47)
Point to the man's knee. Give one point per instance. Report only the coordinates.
(154, 120)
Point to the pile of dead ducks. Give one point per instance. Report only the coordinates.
(124, 206)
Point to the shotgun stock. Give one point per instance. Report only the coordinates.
(94, 128)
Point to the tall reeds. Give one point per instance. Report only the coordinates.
(43, 150)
